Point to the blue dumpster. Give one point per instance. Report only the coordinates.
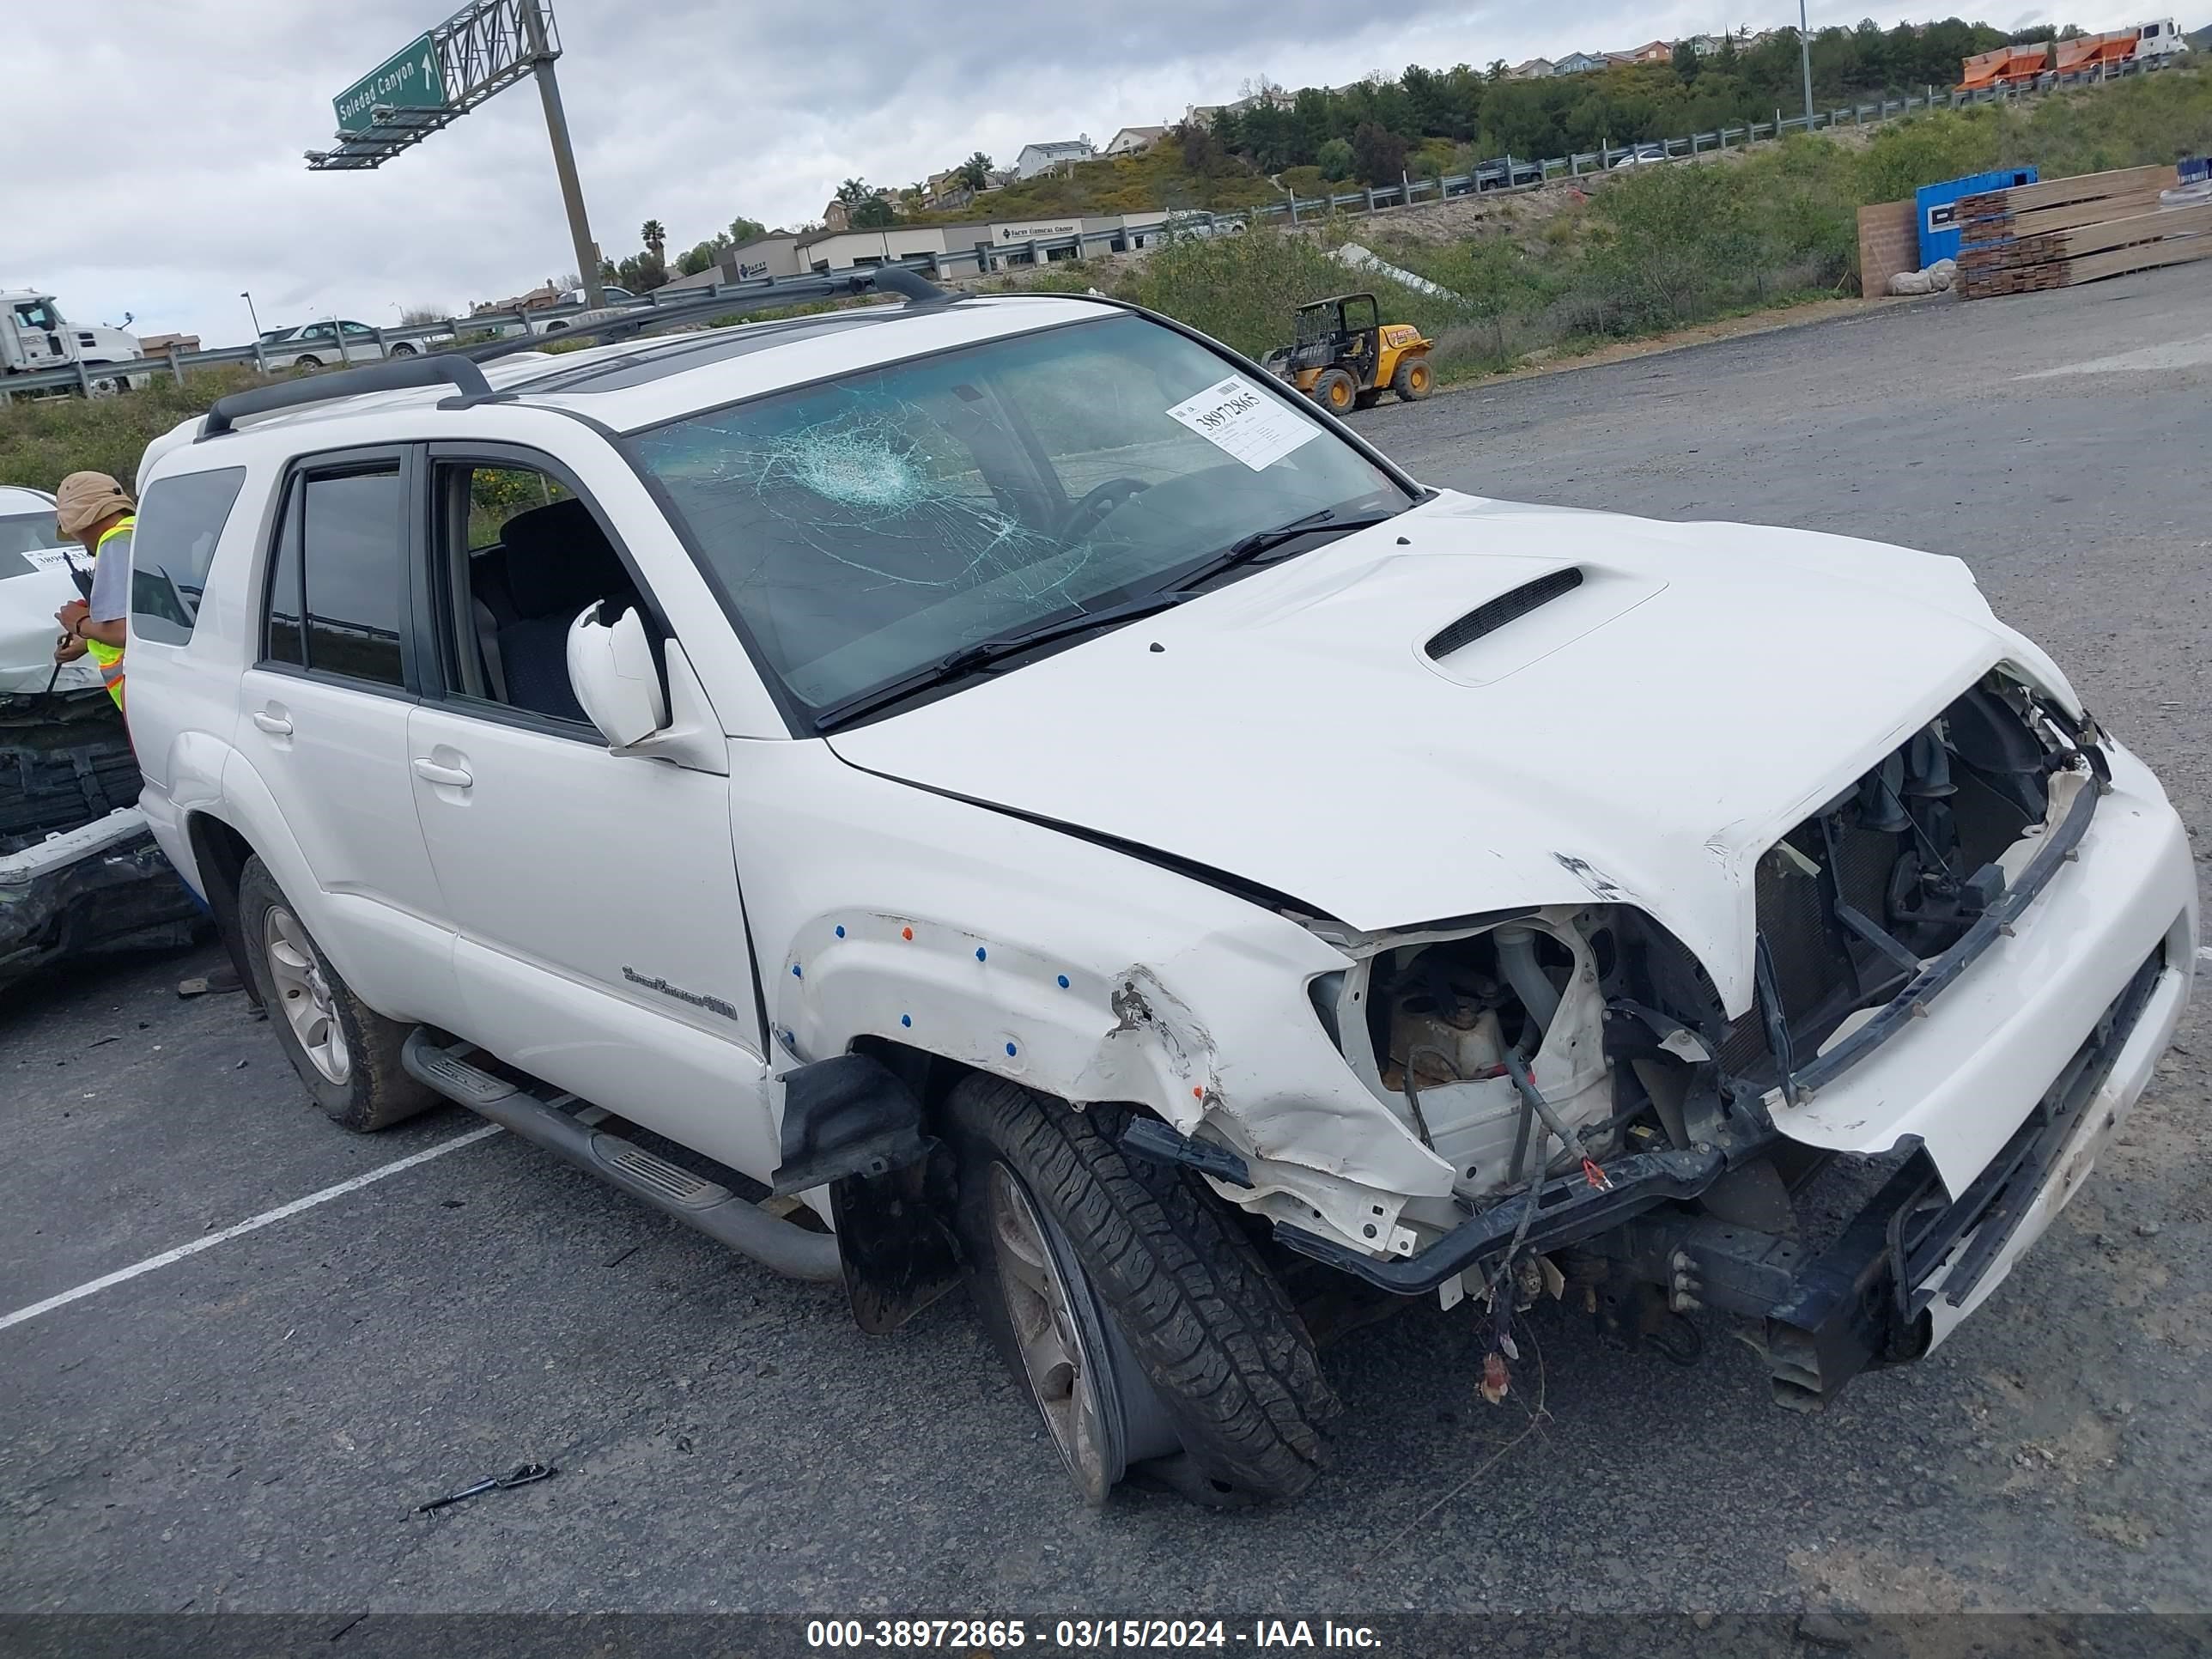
(1939, 233)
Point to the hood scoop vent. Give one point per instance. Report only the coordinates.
(1493, 614)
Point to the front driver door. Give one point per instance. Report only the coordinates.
(602, 939)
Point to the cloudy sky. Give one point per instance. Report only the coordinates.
(153, 148)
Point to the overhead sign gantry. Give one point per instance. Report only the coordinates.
(439, 76)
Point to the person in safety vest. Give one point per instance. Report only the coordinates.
(96, 511)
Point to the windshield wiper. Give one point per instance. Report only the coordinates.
(1249, 549)
(974, 658)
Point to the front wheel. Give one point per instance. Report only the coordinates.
(1335, 391)
(1414, 380)
(402, 350)
(345, 1051)
(308, 362)
(1138, 1318)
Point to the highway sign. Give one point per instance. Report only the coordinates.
(409, 79)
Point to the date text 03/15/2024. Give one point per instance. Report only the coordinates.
(1080, 1635)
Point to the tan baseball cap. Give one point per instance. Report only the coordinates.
(86, 498)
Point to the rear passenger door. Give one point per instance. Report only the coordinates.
(603, 942)
(324, 732)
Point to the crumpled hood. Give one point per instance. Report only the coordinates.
(1641, 739)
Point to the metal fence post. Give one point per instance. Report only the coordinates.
(83, 379)
(177, 363)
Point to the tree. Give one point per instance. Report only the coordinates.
(641, 273)
(1686, 62)
(1201, 150)
(974, 173)
(853, 191)
(698, 258)
(1499, 70)
(1336, 160)
(872, 213)
(654, 237)
(743, 230)
(1378, 154)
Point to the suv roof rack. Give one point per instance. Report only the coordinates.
(394, 375)
(910, 285)
(459, 370)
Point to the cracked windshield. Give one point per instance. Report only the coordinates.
(865, 529)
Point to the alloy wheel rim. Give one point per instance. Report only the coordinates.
(303, 992)
(1048, 1335)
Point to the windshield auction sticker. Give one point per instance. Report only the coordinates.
(1238, 416)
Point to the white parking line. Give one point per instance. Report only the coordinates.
(2168, 354)
(263, 1219)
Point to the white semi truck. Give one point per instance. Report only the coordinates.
(35, 337)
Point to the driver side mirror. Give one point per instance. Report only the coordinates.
(611, 668)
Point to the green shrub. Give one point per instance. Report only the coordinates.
(44, 440)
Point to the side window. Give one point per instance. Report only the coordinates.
(362, 329)
(520, 557)
(179, 522)
(339, 592)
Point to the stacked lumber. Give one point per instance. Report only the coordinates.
(2064, 231)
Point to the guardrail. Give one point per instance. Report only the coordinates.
(1505, 173)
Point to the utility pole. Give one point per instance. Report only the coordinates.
(1805, 51)
(564, 158)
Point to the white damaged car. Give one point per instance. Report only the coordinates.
(1004, 777)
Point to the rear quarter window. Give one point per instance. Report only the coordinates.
(171, 546)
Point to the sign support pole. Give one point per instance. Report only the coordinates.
(564, 158)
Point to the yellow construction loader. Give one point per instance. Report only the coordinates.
(1347, 356)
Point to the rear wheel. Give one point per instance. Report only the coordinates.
(402, 350)
(1414, 380)
(1335, 391)
(1144, 1325)
(306, 363)
(345, 1051)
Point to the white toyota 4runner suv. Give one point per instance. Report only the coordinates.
(1006, 778)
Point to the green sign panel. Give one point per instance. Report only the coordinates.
(409, 80)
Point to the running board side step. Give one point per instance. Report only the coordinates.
(714, 1210)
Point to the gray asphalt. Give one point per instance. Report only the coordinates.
(248, 1428)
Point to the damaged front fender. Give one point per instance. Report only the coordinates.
(103, 888)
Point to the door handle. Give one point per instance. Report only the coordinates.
(453, 777)
(277, 725)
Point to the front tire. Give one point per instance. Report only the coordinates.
(347, 1054)
(1414, 380)
(1336, 391)
(402, 350)
(308, 362)
(1142, 1320)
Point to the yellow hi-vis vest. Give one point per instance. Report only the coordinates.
(110, 657)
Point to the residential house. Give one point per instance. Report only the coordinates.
(1651, 52)
(1036, 160)
(1130, 140)
(1202, 114)
(1580, 62)
(1704, 45)
(837, 216)
(1536, 69)
(160, 346)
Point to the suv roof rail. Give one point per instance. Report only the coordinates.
(902, 279)
(394, 375)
